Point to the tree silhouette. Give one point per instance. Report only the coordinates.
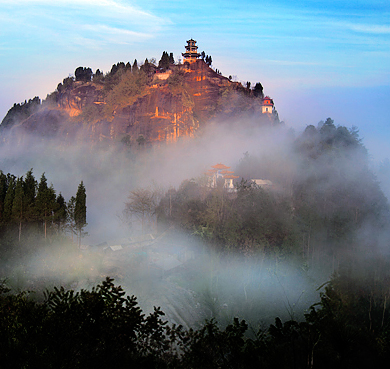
(80, 210)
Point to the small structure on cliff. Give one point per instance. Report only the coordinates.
(191, 53)
(220, 173)
(268, 105)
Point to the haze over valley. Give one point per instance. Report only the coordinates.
(175, 215)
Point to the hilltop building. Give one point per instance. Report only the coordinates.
(268, 105)
(220, 173)
(191, 54)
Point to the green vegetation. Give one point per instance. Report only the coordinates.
(318, 204)
(165, 61)
(348, 328)
(124, 93)
(324, 209)
(31, 213)
(83, 74)
(80, 211)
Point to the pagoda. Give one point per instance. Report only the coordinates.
(220, 171)
(191, 53)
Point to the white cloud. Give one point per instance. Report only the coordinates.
(108, 10)
(114, 34)
(377, 29)
(67, 22)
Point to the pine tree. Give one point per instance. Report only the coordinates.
(80, 210)
(3, 192)
(9, 198)
(30, 190)
(135, 66)
(171, 59)
(70, 219)
(60, 212)
(164, 61)
(45, 202)
(258, 90)
(18, 204)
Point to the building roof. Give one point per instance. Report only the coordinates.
(226, 172)
(268, 101)
(230, 176)
(220, 166)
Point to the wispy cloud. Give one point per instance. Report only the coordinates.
(104, 7)
(113, 21)
(114, 34)
(370, 28)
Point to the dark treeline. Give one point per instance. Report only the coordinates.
(31, 211)
(105, 328)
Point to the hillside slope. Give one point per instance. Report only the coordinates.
(135, 107)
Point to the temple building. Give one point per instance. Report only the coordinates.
(191, 53)
(220, 173)
(268, 105)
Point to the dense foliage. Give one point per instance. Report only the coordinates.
(30, 211)
(105, 328)
(324, 202)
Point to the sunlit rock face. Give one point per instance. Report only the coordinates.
(165, 107)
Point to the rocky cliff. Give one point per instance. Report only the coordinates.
(139, 107)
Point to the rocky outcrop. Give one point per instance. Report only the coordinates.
(142, 108)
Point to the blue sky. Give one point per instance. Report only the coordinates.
(317, 59)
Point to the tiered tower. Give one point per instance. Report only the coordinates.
(191, 53)
(220, 171)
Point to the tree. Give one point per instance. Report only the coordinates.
(98, 76)
(70, 219)
(83, 74)
(171, 59)
(60, 212)
(3, 192)
(9, 198)
(80, 210)
(258, 90)
(45, 202)
(135, 66)
(141, 140)
(208, 60)
(30, 189)
(147, 67)
(164, 61)
(142, 204)
(18, 205)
